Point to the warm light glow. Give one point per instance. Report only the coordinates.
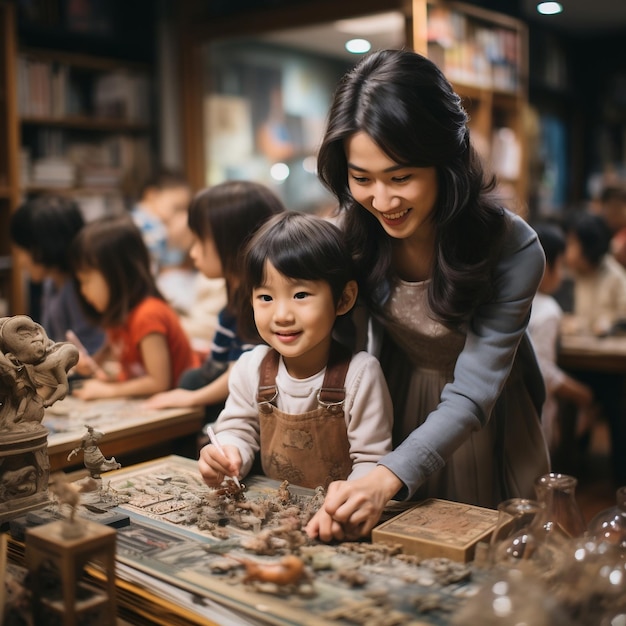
(549, 8)
(358, 46)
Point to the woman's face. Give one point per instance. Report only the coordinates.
(401, 198)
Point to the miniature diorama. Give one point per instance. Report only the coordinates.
(33, 376)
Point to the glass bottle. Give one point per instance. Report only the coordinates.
(561, 519)
(610, 525)
(512, 539)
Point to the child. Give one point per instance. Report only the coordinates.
(160, 216)
(599, 303)
(222, 219)
(42, 230)
(112, 265)
(599, 280)
(544, 327)
(315, 411)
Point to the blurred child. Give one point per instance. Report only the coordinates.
(42, 230)
(613, 209)
(222, 219)
(112, 265)
(315, 411)
(161, 215)
(599, 280)
(599, 304)
(544, 328)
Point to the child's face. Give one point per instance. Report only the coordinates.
(552, 277)
(168, 202)
(574, 257)
(296, 318)
(94, 288)
(205, 257)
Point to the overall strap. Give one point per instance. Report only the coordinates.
(333, 388)
(268, 369)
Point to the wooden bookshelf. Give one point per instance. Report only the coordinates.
(485, 55)
(10, 285)
(78, 124)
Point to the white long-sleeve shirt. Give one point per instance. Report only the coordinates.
(367, 407)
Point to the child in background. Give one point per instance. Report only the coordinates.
(315, 411)
(42, 229)
(161, 215)
(613, 209)
(599, 280)
(112, 265)
(599, 303)
(544, 328)
(222, 219)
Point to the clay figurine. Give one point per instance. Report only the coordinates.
(33, 372)
(93, 458)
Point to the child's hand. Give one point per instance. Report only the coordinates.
(173, 399)
(214, 465)
(92, 389)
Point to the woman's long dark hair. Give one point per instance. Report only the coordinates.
(115, 247)
(409, 109)
(230, 213)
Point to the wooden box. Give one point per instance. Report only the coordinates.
(439, 528)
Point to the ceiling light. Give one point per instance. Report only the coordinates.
(549, 8)
(358, 46)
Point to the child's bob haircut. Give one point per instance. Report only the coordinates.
(299, 246)
(115, 247)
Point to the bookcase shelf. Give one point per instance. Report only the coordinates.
(87, 123)
(78, 124)
(485, 55)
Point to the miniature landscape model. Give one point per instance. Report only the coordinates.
(246, 549)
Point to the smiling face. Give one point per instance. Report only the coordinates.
(296, 317)
(401, 198)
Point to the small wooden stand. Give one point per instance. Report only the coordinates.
(69, 553)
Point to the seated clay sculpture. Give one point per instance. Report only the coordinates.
(33, 372)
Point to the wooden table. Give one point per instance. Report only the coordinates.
(128, 429)
(583, 352)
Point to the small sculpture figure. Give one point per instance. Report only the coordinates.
(66, 493)
(33, 372)
(93, 458)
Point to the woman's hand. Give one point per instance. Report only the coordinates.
(352, 508)
(173, 399)
(214, 465)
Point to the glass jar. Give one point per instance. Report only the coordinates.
(610, 525)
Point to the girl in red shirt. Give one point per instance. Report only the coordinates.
(144, 335)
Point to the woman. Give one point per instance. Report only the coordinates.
(448, 277)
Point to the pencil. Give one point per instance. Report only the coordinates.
(213, 439)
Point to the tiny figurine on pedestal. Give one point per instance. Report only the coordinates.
(93, 458)
(67, 493)
(33, 376)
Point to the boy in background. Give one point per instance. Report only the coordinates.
(544, 328)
